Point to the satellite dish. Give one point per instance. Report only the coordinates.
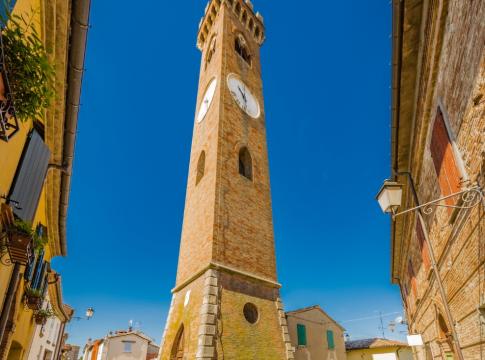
(399, 320)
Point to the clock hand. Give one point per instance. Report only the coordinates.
(243, 94)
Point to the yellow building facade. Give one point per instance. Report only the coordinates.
(378, 349)
(35, 171)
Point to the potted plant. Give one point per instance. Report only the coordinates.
(27, 75)
(41, 316)
(20, 237)
(33, 298)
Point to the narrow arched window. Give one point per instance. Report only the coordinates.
(238, 9)
(245, 163)
(242, 49)
(177, 352)
(211, 50)
(244, 17)
(200, 168)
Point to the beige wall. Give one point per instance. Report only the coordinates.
(45, 338)
(317, 324)
(114, 350)
(367, 354)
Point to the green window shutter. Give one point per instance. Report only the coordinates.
(301, 332)
(330, 340)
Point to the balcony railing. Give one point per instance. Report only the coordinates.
(9, 124)
(16, 244)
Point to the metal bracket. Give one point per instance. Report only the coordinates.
(470, 198)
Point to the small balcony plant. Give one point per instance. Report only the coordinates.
(27, 75)
(20, 242)
(41, 316)
(33, 298)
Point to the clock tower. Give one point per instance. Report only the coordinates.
(225, 303)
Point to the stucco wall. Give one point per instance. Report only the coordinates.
(367, 354)
(317, 324)
(115, 348)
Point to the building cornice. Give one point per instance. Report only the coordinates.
(230, 270)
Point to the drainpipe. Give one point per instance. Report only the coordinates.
(434, 265)
(77, 52)
(8, 304)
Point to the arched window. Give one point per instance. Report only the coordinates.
(238, 9)
(200, 168)
(257, 32)
(244, 17)
(178, 345)
(251, 25)
(241, 48)
(211, 50)
(245, 163)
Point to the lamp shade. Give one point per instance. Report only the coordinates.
(390, 196)
(89, 313)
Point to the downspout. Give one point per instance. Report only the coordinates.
(77, 52)
(8, 304)
(397, 40)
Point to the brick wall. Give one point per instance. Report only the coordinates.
(455, 83)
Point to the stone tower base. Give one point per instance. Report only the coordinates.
(207, 319)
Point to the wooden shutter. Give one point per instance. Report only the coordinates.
(330, 340)
(301, 332)
(422, 245)
(444, 159)
(37, 271)
(30, 176)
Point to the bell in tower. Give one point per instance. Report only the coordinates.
(225, 303)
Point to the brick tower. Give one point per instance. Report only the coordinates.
(226, 304)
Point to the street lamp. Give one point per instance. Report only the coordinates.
(390, 196)
(390, 200)
(89, 314)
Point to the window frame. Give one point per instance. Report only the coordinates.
(128, 343)
(301, 335)
(330, 340)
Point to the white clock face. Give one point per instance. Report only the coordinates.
(243, 97)
(207, 100)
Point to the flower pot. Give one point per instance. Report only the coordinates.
(33, 302)
(40, 319)
(20, 247)
(2, 88)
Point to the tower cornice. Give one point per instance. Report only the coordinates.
(243, 9)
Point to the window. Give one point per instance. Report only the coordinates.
(244, 17)
(422, 245)
(211, 50)
(127, 346)
(29, 178)
(444, 159)
(330, 340)
(245, 163)
(241, 48)
(250, 312)
(238, 9)
(301, 333)
(177, 352)
(200, 167)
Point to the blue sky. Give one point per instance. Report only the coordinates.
(326, 82)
